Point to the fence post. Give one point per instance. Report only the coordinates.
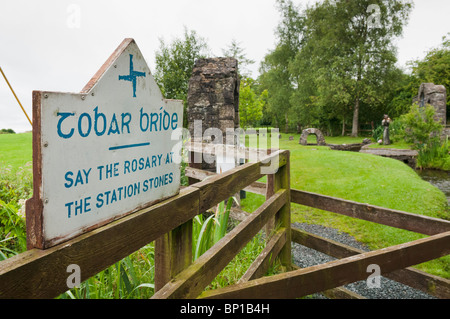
(281, 180)
(173, 251)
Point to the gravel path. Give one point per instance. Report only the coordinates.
(306, 257)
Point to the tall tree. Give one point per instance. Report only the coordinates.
(234, 50)
(174, 64)
(353, 48)
(250, 103)
(275, 74)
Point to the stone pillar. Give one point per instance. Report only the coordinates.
(435, 95)
(213, 98)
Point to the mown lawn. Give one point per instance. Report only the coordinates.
(15, 149)
(363, 178)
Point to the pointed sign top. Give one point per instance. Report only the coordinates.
(102, 153)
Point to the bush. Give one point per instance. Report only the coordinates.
(15, 189)
(420, 126)
(434, 154)
(7, 131)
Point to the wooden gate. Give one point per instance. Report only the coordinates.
(42, 273)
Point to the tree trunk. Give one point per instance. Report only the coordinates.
(343, 126)
(355, 125)
(286, 128)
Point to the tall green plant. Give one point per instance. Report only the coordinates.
(420, 125)
(209, 231)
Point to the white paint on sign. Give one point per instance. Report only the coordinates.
(107, 151)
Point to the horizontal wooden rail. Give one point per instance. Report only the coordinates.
(432, 285)
(389, 217)
(190, 282)
(259, 267)
(299, 283)
(262, 263)
(385, 216)
(43, 273)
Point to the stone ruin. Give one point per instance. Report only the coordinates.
(316, 132)
(435, 95)
(213, 99)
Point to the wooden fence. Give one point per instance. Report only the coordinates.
(43, 273)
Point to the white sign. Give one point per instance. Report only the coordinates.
(105, 152)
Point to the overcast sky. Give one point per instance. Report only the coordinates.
(59, 45)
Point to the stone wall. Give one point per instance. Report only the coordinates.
(213, 95)
(435, 95)
(213, 98)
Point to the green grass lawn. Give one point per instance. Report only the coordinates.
(363, 178)
(15, 149)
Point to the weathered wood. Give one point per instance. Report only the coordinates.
(283, 217)
(43, 273)
(337, 293)
(199, 175)
(323, 245)
(333, 274)
(433, 285)
(341, 293)
(390, 217)
(34, 205)
(266, 258)
(222, 186)
(173, 253)
(191, 281)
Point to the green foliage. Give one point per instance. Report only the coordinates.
(420, 125)
(320, 75)
(174, 64)
(434, 154)
(434, 68)
(396, 131)
(129, 278)
(234, 50)
(250, 104)
(7, 131)
(275, 74)
(15, 189)
(209, 231)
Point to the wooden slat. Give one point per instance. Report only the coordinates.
(262, 263)
(390, 217)
(333, 274)
(430, 284)
(337, 293)
(43, 273)
(191, 282)
(220, 187)
(173, 253)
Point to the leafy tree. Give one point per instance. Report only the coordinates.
(434, 68)
(234, 50)
(275, 74)
(420, 125)
(349, 45)
(250, 104)
(174, 64)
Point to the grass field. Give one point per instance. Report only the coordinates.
(363, 178)
(15, 149)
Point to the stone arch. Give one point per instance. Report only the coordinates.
(316, 132)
